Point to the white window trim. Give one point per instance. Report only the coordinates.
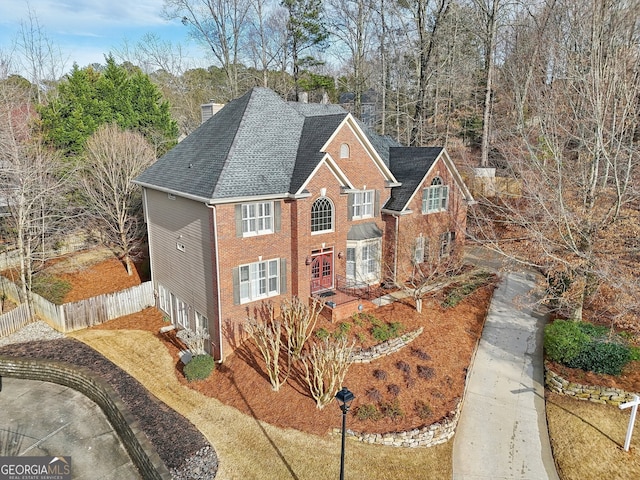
(435, 198)
(164, 298)
(363, 274)
(202, 323)
(258, 217)
(345, 150)
(317, 232)
(260, 275)
(360, 203)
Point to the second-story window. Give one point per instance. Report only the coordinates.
(322, 215)
(435, 198)
(257, 218)
(362, 206)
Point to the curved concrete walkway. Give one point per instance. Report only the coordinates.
(502, 432)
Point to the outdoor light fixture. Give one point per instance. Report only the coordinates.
(344, 397)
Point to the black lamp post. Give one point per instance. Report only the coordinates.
(344, 397)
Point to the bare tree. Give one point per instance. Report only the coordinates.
(298, 321)
(41, 58)
(114, 158)
(266, 332)
(577, 157)
(32, 186)
(221, 26)
(325, 365)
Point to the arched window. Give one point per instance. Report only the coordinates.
(322, 215)
(344, 150)
(436, 197)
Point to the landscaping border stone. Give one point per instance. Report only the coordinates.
(591, 393)
(385, 348)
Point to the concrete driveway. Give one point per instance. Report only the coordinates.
(47, 419)
(502, 432)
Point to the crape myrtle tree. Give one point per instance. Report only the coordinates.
(114, 157)
(577, 156)
(31, 186)
(87, 99)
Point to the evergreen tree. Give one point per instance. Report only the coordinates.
(88, 99)
(306, 30)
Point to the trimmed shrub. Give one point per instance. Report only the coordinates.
(322, 334)
(403, 366)
(392, 410)
(602, 357)
(383, 332)
(374, 395)
(564, 340)
(380, 374)
(425, 372)
(199, 368)
(368, 412)
(393, 389)
(423, 409)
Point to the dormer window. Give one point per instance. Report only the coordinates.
(344, 150)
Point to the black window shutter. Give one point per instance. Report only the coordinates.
(283, 276)
(276, 216)
(350, 206)
(238, 220)
(236, 285)
(376, 203)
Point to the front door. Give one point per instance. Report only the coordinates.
(321, 271)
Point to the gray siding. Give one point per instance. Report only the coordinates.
(186, 271)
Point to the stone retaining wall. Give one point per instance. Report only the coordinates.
(429, 436)
(605, 395)
(139, 448)
(385, 348)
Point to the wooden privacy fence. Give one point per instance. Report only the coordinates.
(86, 313)
(14, 320)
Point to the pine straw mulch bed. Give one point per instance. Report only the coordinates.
(418, 385)
(174, 437)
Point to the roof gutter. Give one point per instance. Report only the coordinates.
(222, 201)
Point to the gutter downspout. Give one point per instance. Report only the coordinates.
(145, 210)
(395, 249)
(217, 264)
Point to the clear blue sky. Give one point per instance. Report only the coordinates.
(87, 30)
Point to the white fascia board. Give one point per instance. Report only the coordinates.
(362, 137)
(333, 167)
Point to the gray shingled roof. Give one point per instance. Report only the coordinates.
(409, 165)
(257, 144)
(260, 144)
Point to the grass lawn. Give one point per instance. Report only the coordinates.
(249, 449)
(588, 439)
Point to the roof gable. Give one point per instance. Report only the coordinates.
(411, 165)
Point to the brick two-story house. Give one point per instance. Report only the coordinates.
(270, 198)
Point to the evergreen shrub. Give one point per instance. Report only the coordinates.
(199, 368)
